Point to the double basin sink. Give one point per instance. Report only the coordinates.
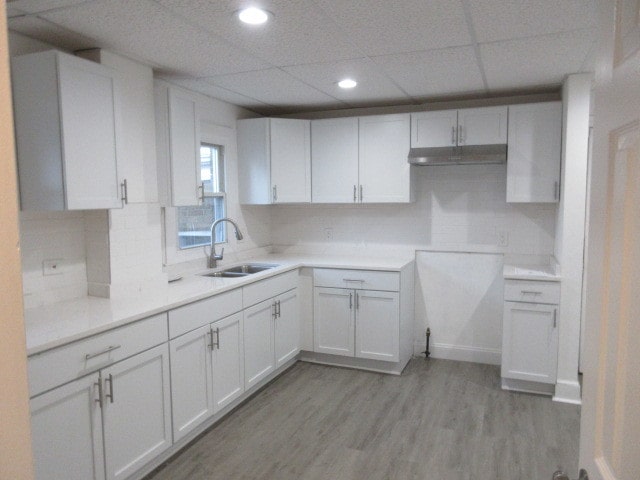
(240, 270)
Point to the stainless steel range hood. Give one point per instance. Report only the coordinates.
(465, 155)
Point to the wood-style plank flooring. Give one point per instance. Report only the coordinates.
(440, 420)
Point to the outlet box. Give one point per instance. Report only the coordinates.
(52, 267)
(328, 233)
(503, 238)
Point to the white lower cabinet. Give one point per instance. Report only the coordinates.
(287, 327)
(66, 428)
(136, 411)
(228, 360)
(333, 321)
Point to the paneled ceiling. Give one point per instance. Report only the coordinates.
(400, 52)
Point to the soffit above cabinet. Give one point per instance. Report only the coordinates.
(408, 55)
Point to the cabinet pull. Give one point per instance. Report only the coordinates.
(555, 317)
(350, 300)
(210, 334)
(460, 135)
(217, 344)
(124, 192)
(361, 196)
(357, 301)
(278, 306)
(556, 190)
(274, 310)
(352, 280)
(201, 196)
(99, 385)
(275, 193)
(110, 394)
(453, 135)
(530, 292)
(110, 348)
(355, 194)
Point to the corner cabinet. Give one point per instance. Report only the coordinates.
(361, 160)
(65, 132)
(274, 161)
(451, 128)
(530, 336)
(534, 153)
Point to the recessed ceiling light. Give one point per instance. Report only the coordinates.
(347, 83)
(253, 16)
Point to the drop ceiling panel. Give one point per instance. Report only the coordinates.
(144, 29)
(298, 32)
(275, 87)
(206, 88)
(372, 84)
(509, 19)
(48, 32)
(434, 72)
(531, 62)
(382, 27)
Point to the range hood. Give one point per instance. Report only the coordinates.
(465, 155)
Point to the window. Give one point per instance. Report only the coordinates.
(194, 223)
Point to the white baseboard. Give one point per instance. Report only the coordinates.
(568, 391)
(461, 353)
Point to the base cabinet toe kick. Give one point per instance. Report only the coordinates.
(175, 374)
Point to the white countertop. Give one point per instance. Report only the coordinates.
(549, 273)
(60, 323)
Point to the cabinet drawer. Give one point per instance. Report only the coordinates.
(532, 291)
(195, 315)
(259, 291)
(359, 279)
(63, 364)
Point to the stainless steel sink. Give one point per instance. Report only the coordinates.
(240, 270)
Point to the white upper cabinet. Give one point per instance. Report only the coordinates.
(534, 152)
(334, 152)
(434, 129)
(65, 132)
(274, 161)
(135, 125)
(385, 173)
(482, 126)
(450, 128)
(361, 160)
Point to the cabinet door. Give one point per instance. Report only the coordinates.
(334, 160)
(482, 126)
(377, 325)
(534, 152)
(66, 431)
(258, 342)
(287, 327)
(228, 360)
(530, 342)
(333, 321)
(184, 145)
(191, 380)
(385, 174)
(290, 161)
(136, 412)
(434, 129)
(88, 134)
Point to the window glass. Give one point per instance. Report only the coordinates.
(194, 223)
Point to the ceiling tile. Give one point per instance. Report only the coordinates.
(144, 29)
(35, 6)
(507, 19)
(206, 88)
(382, 27)
(298, 32)
(372, 83)
(434, 72)
(275, 87)
(535, 61)
(48, 32)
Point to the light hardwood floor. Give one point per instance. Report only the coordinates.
(440, 420)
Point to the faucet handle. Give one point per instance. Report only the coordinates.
(219, 257)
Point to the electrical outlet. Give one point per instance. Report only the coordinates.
(328, 233)
(52, 267)
(503, 238)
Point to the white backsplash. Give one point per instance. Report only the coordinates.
(53, 236)
(458, 208)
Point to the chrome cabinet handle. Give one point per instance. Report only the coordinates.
(110, 348)
(556, 190)
(351, 301)
(278, 303)
(210, 334)
(352, 280)
(355, 194)
(217, 344)
(274, 310)
(201, 196)
(99, 385)
(460, 135)
(361, 196)
(110, 394)
(124, 192)
(453, 135)
(357, 301)
(275, 193)
(555, 317)
(530, 292)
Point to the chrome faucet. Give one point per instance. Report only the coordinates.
(214, 257)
